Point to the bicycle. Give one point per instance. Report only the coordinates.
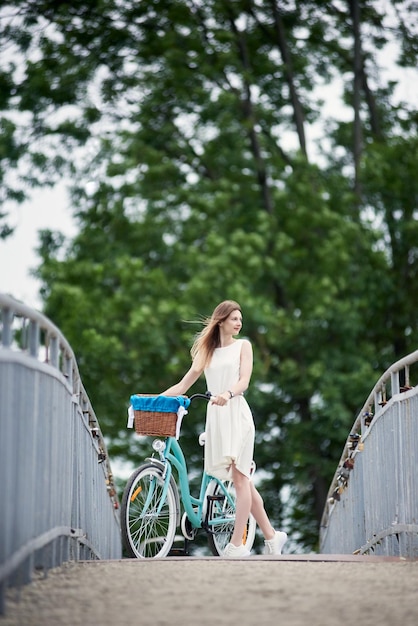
(152, 503)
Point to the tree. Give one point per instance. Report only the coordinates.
(196, 182)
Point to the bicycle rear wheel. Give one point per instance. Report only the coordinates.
(221, 518)
(148, 525)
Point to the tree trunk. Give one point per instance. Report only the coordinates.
(250, 117)
(358, 77)
(298, 114)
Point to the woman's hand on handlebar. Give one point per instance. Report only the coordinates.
(221, 399)
(204, 396)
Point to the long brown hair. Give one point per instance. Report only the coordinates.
(208, 339)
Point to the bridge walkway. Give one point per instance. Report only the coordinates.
(296, 590)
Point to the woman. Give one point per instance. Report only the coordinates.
(227, 364)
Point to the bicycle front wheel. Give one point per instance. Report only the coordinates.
(148, 520)
(221, 518)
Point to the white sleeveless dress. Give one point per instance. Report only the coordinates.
(229, 429)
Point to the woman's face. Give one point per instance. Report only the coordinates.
(233, 323)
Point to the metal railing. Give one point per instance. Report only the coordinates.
(59, 501)
(372, 504)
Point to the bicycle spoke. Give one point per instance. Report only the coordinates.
(148, 524)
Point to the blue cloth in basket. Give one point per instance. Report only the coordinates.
(163, 404)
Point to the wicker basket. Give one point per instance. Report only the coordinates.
(155, 423)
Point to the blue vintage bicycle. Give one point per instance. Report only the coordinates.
(157, 500)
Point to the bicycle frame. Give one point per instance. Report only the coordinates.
(173, 456)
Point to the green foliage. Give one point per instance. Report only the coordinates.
(195, 184)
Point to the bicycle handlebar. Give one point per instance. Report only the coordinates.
(204, 396)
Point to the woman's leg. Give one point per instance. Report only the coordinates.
(259, 513)
(248, 500)
(242, 486)
(273, 540)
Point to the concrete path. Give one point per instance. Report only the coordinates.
(290, 590)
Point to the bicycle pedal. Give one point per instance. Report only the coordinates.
(178, 552)
(215, 498)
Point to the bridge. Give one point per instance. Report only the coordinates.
(372, 503)
(59, 500)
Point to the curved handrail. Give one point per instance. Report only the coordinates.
(46, 407)
(41, 339)
(33, 324)
(372, 408)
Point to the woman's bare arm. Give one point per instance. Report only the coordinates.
(185, 383)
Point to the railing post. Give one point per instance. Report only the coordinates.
(407, 381)
(7, 334)
(54, 351)
(394, 381)
(68, 372)
(33, 338)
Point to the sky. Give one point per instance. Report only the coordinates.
(48, 208)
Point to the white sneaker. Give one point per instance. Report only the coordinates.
(275, 545)
(235, 552)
